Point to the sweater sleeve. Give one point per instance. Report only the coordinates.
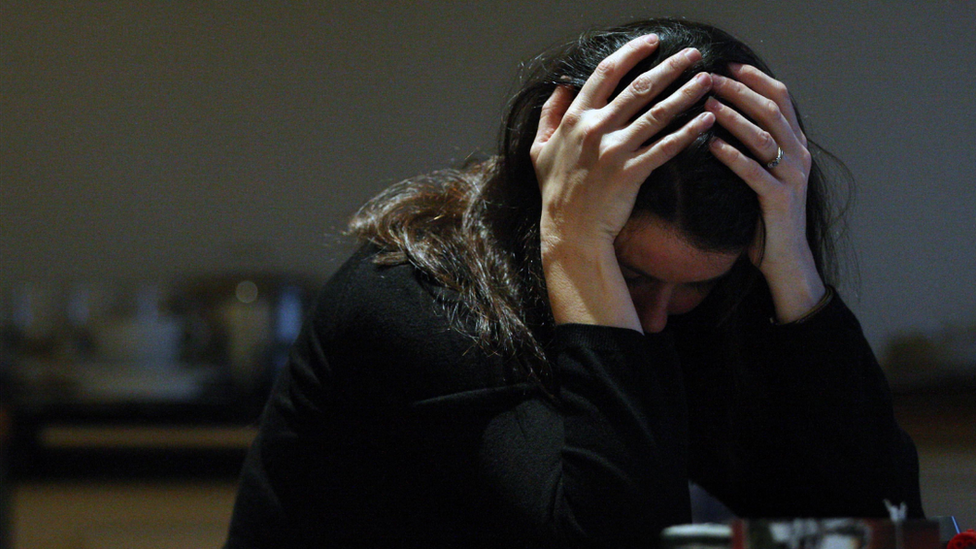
(388, 428)
(813, 431)
(605, 463)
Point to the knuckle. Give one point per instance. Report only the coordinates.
(778, 90)
(643, 85)
(733, 154)
(606, 67)
(611, 148)
(571, 119)
(688, 94)
(765, 140)
(657, 115)
(590, 130)
(643, 126)
(806, 160)
(771, 108)
(729, 154)
(669, 146)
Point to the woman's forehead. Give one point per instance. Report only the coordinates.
(656, 248)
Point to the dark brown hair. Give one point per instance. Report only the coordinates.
(475, 230)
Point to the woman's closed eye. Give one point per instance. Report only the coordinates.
(634, 279)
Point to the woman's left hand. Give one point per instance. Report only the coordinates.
(785, 258)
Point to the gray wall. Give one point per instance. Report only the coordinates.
(144, 139)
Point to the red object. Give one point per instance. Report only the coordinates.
(963, 540)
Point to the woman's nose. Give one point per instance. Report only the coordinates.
(653, 311)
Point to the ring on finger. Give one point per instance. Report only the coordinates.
(779, 158)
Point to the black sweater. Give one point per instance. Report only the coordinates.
(388, 428)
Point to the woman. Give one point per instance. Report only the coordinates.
(542, 349)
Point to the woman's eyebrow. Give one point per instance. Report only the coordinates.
(643, 274)
(635, 270)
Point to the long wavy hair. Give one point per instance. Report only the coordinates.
(475, 230)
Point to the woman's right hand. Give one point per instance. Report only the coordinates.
(590, 159)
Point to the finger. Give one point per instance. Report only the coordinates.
(758, 140)
(552, 113)
(750, 171)
(662, 113)
(598, 87)
(647, 86)
(763, 110)
(768, 86)
(666, 148)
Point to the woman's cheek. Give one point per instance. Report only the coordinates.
(683, 300)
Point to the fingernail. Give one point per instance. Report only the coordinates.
(702, 77)
(734, 67)
(712, 105)
(692, 54)
(651, 38)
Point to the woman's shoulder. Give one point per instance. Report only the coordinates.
(390, 324)
(366, 295)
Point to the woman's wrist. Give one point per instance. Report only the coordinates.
(585, 285)
(820, 305)
(796, 294)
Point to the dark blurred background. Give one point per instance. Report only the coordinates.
(175, 176)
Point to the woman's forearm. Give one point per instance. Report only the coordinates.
(586, 287)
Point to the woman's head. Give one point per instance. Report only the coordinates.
(476, 230)
(710, 206)
(694, 191)
(665, 273)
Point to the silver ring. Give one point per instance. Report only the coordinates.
(779, 158)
